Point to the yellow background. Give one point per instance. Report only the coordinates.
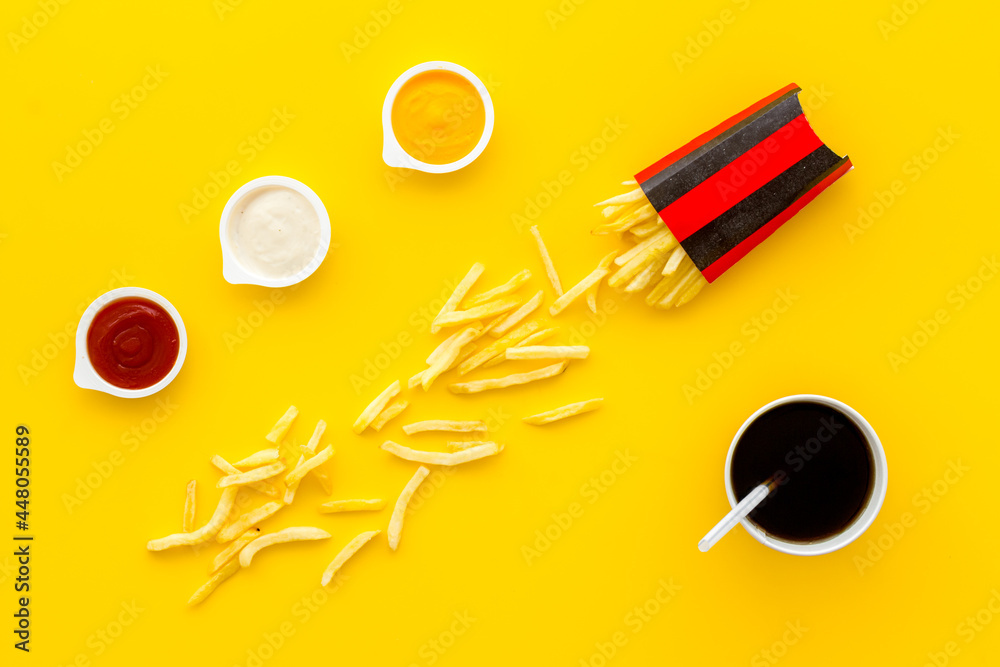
(881, 96)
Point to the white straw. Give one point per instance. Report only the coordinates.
(742, 508)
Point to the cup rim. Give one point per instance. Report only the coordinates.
(860, 524)
(234, 271)
(86, 376)
(393, 153)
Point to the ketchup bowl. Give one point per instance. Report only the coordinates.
(131, 342)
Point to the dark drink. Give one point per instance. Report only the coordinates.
(821, 463)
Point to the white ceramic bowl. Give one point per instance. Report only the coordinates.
(84, 374)
(234, 272)
(394, 155)
(860, 524)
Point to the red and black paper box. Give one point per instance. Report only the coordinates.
(731, 187)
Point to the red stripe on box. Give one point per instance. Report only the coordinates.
(719, 266)
(702, 139)
(713, 196)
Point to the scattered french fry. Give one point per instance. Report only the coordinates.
(449, 356)
(189, 506)
(459, 317)
(225, 466)
(300, 471)
(548, 352)
(209, 586)
(233, 549)
(248, 521)
(310, 447)
(280, 428)
(605, 263)
(508, 287)
(353, 505)
(297, 534)
(550, 269)
(255, 475)
(536, 337)
(399, 511)
(391, 412)
(375, 407)
(442, 458)
(203, 534)
(458, 294)
(260, 458)
(574, 292)
(345, 553)
(497, 347)
(563, 412)
(518, 315)
(461, 445)
(508, 381)
(444, 425)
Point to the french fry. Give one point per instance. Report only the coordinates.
(459, 317)
(297, 534)
(548, 352)
(691, 291)
(497, 347)
(508, 287)
(281, 427)
(460, 445)
(209, 586)
(375, 407)
(626, 221)
(300, 471)
(448, 356)
(689, 278)
(448, 343)
(631, 253)
(248, 521)
(255, 475)
(550, 269)
(508, 381)
(260, 458)
(389, 413)
(536, 337)
(643, 230)
(667, 283)
(458, 294)
(203, 534)
(574, 292)
(233, 549)
(225, 466)
(611, 211)
(563, 412)
(518, 315)
(633, 195)
(444, 425)
(442, 458)
(645, 276)
(353, 505)
(310, 447)
(676, 257)
(399, 511)
(345, 553)
(187, 525)
(605, 263)
(651, 254)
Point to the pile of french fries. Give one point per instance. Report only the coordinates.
(656, 260)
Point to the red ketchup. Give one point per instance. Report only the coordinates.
(133, 343)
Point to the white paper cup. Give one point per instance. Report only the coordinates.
(234, 272)
(394, 155)
(860, 524)
(84, 374)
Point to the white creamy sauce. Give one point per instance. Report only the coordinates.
(274, 232)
